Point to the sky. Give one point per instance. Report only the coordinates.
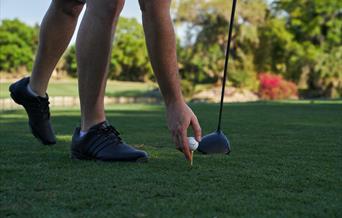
(32, 11)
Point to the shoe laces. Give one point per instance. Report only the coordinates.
(110, 130)
(40, 107)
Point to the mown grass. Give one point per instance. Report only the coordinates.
(286, 162)
(70, 88)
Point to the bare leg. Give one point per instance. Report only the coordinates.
(56, 31)
(93, 48)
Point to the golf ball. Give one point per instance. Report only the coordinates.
(193, 144)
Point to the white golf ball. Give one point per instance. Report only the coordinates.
(193, 144)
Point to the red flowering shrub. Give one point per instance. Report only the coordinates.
(274, 87)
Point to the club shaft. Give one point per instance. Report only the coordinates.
(225, 74)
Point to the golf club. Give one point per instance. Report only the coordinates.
(217, 142)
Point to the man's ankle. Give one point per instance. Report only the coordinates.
(34, 93)
(87, 125)
(83, 133)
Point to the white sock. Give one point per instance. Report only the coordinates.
(29, 89)
(82, 133)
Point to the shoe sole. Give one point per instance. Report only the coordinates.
(78, 156)
(15, 99)
(38, 138)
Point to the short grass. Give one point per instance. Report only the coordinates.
(70, 88)
(286, 162)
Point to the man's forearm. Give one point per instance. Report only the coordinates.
(161, 43)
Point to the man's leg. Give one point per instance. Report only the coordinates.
(93, 48)
(97, 139)
(56, 31)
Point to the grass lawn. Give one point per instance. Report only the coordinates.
(70, 88)
(286, 162)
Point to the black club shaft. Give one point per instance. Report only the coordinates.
(224, 80)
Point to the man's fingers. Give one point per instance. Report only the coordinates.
(177, 142)
(197, 128)
(185, 144)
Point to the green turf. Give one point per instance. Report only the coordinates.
(286, 162)
(69, 88)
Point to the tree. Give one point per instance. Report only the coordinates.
(18, 44)
(129, 60)
(315, 21)
(328, 73)
(316, 31)
(70, 64)
(294, 38)
(207, 24)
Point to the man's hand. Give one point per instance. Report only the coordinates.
(161, 44)
(179, 118)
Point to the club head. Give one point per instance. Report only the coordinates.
(214, 143)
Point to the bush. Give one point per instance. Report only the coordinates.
(188, 88)
(274, 87)
(18, 43)
(129, 60)
(328, 74)
(70, 64)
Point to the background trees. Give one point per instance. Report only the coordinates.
(129, 60)
(300, 40)
(312, 56)
(206, 24)
(18, 43)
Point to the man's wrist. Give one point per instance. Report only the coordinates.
(172, 100)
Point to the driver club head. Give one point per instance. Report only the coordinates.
(214, 143)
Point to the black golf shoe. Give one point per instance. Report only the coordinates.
(37, 109)
(102, 142)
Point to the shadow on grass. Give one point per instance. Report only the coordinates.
(139, 127)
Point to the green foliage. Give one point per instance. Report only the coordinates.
(129, 60)
(188, 88)
(70, 64)
(292, 38)
(313, 49)
(316, 21)
(298, 39)
(204, 55)
(328, 73)
(18, 44)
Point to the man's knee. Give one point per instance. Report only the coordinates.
(71, 8)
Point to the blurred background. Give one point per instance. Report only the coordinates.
(290, 49)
